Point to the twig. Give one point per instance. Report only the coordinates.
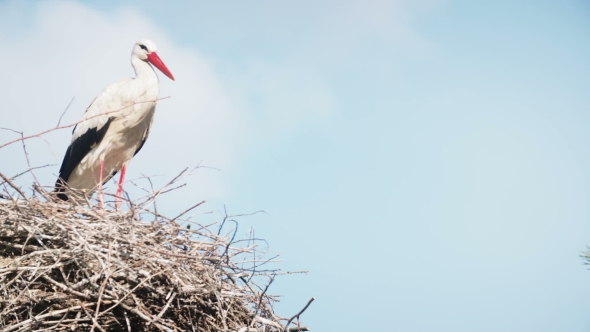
(76, 123)
(94, 323)
(120, 301)
(40, 317)
(187, 210)
(65, 110)
(299, 313)
(127, 321)
(7, 180)
(260, 299)
(27, 158)
(165, 307)
(145, 317)
(30, 169)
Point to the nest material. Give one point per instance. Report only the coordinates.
(73, 268)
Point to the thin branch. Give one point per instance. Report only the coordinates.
(76, 123)
(65, 110)
(30, 169)
(299, 313)
(260, 299)
(187, 210)
(165, 307)
(7, 180)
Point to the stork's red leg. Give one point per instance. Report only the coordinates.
(120, 188)
(100, 195)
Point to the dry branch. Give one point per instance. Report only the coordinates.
(23, 138)
(18, 190)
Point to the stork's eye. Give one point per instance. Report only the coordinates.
(143, 47)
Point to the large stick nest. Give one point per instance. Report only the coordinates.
(75, 268)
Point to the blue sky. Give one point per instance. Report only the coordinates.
(426, 161)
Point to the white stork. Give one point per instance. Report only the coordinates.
(113, 128)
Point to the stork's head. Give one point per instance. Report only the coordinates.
(145, 50)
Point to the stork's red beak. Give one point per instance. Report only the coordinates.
(155, 60)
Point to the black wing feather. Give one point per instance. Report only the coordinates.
(145, 136)
(76, 152)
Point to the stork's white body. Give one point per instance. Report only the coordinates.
(130, 103)
(113, 128)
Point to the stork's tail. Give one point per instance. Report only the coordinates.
(60, 189)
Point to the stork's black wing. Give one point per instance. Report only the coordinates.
(145, 136)
(76, 152)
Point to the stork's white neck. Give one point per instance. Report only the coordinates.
(143, 70)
